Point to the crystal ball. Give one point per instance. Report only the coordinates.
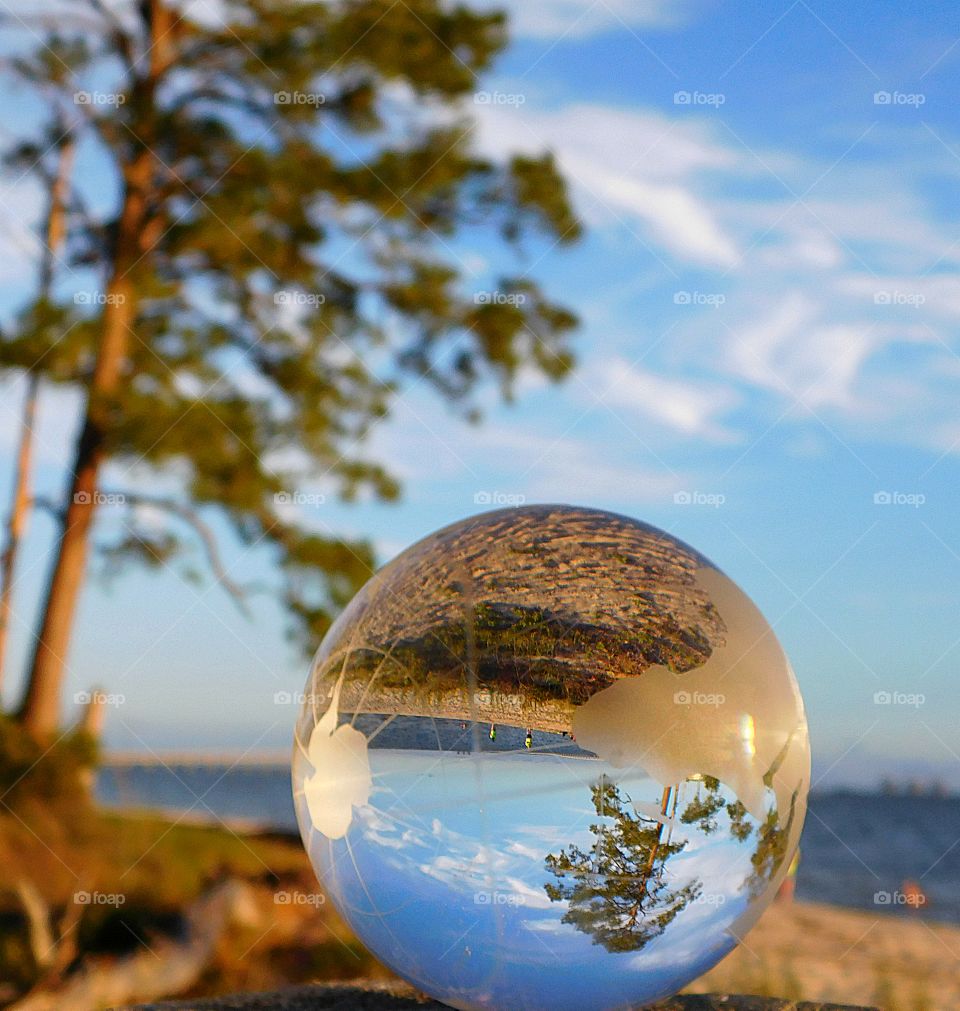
(550, 757)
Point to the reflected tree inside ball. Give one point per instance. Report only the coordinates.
(550, 757)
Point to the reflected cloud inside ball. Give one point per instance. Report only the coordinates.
(564, 762)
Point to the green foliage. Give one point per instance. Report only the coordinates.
(308, 169)
(740, 826)
(511, 648)
(704, 807)
(167, 865)
(514, 648)
(50, 775)
(771, 848)
(618, 892)
(334, 959)
(772, 837)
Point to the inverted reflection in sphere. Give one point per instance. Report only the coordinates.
(550, 757)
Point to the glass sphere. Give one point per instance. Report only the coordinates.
(550, 757)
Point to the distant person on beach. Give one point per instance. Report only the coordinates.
(789, 884)
(528, 740)
(493, 732)
(913, 895)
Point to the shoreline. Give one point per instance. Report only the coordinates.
(241, 826)
(277, 760)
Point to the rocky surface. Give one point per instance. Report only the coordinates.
(399, 998)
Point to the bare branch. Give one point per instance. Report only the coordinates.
(192, 518)
(42, 944)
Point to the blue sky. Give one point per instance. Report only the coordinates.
(769, 293)
(426, 842)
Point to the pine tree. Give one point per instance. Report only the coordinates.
(292, 181)
(619, 892)
(20, 500)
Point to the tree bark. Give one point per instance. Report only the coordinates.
(40, 709)
(18, 511)
(655, 849)
(20, 499)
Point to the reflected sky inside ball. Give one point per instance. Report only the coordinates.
(551, 757)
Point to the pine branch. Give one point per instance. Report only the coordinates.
(119, 36)
(192, 518)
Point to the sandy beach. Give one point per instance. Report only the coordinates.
(813, 951)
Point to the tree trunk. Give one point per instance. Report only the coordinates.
(20, 500)
(39, 711)
(655, 848)
(18, 511)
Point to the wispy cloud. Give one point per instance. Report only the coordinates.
(577, 19)
(688, 407)
(830, 286)
(637, 168)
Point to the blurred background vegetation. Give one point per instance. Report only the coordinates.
(272, 272)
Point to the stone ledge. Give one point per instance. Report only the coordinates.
(398, 998)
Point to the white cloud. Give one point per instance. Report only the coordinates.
(794, 350)
(564, 468)
(753, 352)
(689, 408)
(797, 244)
(589, 481)
(888, 224)
(936, 294)
(576, 19)
(431, 451)
(635, 167)
(804, 262)
(662, 147)
(676, 218)
(828, 364)
(791, 352)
